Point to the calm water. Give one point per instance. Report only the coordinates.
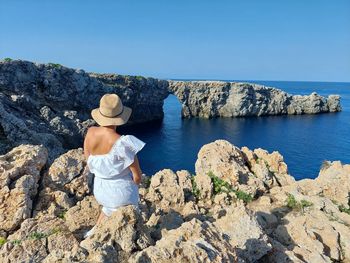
(304, 141)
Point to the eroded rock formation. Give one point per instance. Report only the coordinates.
(208, 99)
(241, 206)
(50, 104)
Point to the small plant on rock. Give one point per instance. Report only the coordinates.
(343, 209)
(16, 241)
(37, 235)
(196, 192)
(245, 197)
(2, 241)
(221, 186)
(7, 59)
(62, 214)
(294, 204)
(55, 65)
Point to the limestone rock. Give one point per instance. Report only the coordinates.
(244, 233)
(334, 179)
(194, 241)
(165, 190)
(37, 239)
(208, 99)
(67, 174)
(82, 216)
(50, 104)
(122, 233)
(19, 175)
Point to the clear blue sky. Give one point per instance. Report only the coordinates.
(247, 40)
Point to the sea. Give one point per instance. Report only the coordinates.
(305, 141)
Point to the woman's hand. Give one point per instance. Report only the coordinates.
(136, 171)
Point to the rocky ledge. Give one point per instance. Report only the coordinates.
(242, 205)
(208, 99)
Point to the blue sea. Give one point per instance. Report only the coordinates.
(305, 141)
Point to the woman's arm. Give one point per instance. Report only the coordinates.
(136, 170)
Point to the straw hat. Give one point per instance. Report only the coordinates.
(111, 111)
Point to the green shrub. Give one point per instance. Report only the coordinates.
(62, 214)
(7, 59)
(16, 241)
(55, 65)
(294, 204)
(37, 235)
(244, 196)
(196, 192)
(343, 209)
(2, 241)
(305, 203)
(221, 186)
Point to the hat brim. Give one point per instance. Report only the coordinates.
(106, 121)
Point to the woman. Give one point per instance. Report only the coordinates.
(112, 158)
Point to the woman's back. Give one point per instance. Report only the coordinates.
(100, 140)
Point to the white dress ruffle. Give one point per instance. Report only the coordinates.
(113, 184)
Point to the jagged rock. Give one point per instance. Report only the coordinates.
(19, 175)
(66, 174)
(209, 99)
(194, 241)
(226, 161)
(123, 233)
(334, 180)
(165, 191)
(82, 216)
(50, 104)
(52, 202)
(37, 239)
(244, 233)
(268, 167)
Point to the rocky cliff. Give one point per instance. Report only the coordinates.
(209, 99)
(50, 104)
(240, 206)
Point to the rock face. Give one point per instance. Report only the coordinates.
(241, 206)
(207, 99)
(19, 176)
(50, 104)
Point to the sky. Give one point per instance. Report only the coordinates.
(184, 39)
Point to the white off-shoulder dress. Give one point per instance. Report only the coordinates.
(113, 184)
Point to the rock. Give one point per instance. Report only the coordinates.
(194, 241)
(334, 179)
(67, 174)
(165, 191)
(50, 104)
(244, 233)
(163, 222)
(227, 162)
(82, 217)
(19, 175)
(207, 99)
(52, 202)
(37, 239)
(123, 232)
(268, 167)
